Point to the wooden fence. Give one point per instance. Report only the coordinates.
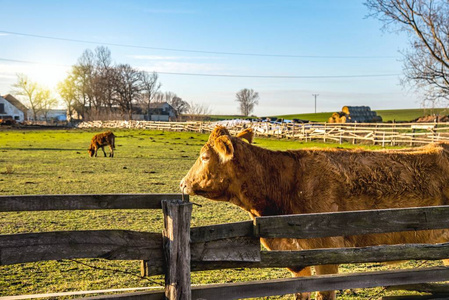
(181, 249)
(372, 133)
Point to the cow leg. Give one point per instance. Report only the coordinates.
(104, 152)
(322, 270)
(111, 154)
(301, 272)
(96, 150)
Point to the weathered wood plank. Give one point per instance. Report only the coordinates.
(353, 222)
(319, 283)
(417, 297)
(232, 249)
(384, 253)
(152, 295)
(117, 245)
(221, 231)
(280, 259)
(176, 243)
(108, 244)
(433, 288)
(83, 202)
(306, 284)
(220, 254)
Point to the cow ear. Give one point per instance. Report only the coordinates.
(218, 131)
(246, 134)
(224, 148)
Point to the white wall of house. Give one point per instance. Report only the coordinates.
(52, 114)
(59, 114)
(167, 108)
(164, 118)
(9, 110)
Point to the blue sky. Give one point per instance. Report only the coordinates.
(330, 42)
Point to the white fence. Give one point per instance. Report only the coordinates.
(373, 133)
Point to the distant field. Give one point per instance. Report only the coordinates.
(56, 162)
(397, 115)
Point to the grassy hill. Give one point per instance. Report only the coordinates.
(398, 115)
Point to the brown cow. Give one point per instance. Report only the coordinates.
(265, 183)
(99, 141)
(246, 134)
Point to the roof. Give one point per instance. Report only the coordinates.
(10, 98)
(159, 105)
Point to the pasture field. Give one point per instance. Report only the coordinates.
(398, 115)
(56, 162)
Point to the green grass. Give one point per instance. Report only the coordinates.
(56, 162)
(397, 115)
(408, 115)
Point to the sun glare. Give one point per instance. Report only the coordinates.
(48, 76)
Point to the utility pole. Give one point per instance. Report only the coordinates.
(315, 95)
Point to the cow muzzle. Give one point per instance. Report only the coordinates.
(186, 187)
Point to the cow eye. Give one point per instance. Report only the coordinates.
(205, 157)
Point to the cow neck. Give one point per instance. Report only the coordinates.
(265, 179)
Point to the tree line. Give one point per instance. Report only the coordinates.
(97, 88)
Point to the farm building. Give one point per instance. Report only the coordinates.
(50, 115)
(12, 109)
(355, 114)
(161, 111)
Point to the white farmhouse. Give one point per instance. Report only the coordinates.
(12, 109)
(161, 111)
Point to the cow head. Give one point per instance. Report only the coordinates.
(91, 151)
(214, 170)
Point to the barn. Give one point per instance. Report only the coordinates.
(12, 109)
(161, 111)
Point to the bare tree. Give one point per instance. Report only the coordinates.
(29, 90)
(159, 97)
(150, 88)
(92, 77)
(83, 73)
(104, 82)
(179, 106)
(247, 98)
(197, 111)
(47, 101)
(97, 88)
(127, 88)
(426, 62)
(69, 94)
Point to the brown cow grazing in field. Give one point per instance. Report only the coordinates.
(99, 141)
(265, 183)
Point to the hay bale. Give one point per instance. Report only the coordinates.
(352, 114)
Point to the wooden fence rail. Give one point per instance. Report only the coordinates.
(374, 133)
(181, 249)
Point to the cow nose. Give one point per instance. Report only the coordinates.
(182, 185)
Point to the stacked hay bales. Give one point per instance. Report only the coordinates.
(355, 114)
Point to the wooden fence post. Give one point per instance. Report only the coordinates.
(325, 132)
(176, 243)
